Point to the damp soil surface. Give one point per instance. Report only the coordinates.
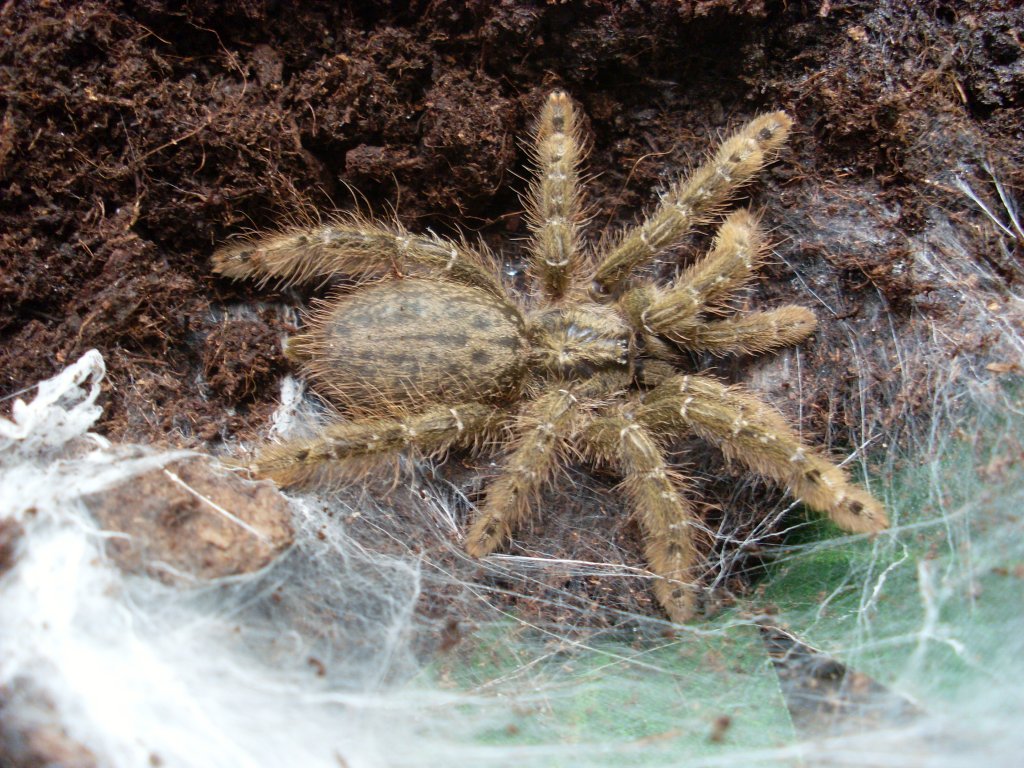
(135, 137)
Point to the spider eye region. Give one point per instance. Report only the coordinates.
(575, 343)
(409, 341)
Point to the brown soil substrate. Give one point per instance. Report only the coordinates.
(134, 137)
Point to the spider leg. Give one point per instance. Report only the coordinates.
(355, 247)
(666, 517)
(541, 429)
(750, 431)
(689, 200)
(357, 447)
(706, 284)
(553, 203)
(751, 333)
(674, 313)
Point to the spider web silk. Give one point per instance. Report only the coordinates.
(909, 647)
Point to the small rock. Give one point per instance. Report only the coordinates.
(192, 520)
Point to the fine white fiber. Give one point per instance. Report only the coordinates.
(374, 641)
(139, 673)
(311, 661)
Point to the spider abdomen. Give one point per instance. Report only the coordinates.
(408, 341)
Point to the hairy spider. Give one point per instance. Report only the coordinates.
(429, 352)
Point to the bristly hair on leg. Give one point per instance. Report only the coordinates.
(554, 207)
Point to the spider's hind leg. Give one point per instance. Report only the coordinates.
(356, 247)
(358, 447)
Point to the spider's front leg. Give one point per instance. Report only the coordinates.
(666, 517)
(356, 448)
(751, 432)
(691, 199)
(675, 312)
(542, 430)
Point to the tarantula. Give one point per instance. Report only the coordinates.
(429, 352)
